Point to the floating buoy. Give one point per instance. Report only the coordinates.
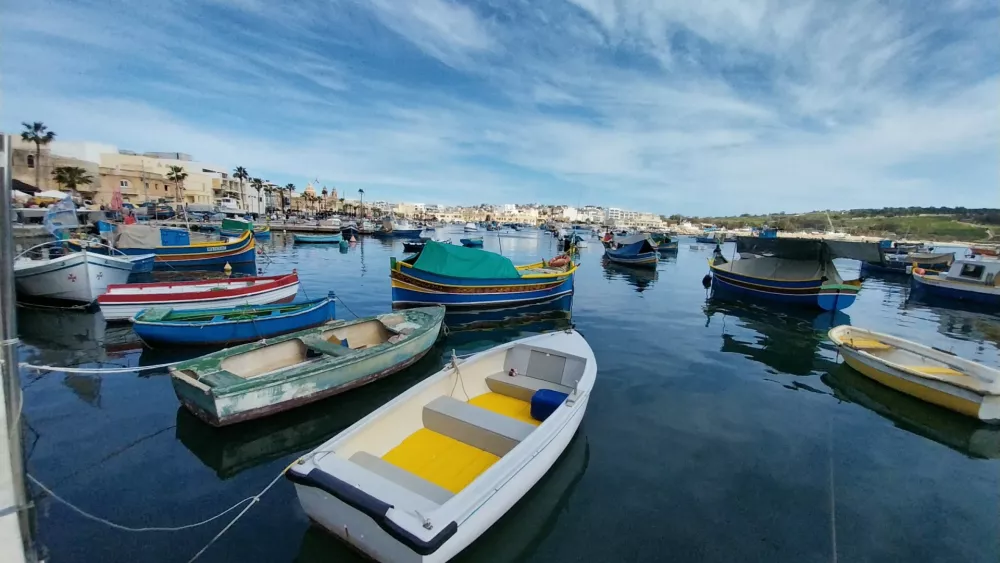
(227, 269)
(706, 281)
(353, 239)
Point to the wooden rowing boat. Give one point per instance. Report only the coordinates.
(930, 374)
(421, 478)
(317, 239)
(259, 379)
(124, 301)
(159, 327)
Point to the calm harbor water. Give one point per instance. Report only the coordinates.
(717, 431)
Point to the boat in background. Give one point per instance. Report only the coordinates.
(235, 227)
(123, 302)
(793, 271)
(466, 277)
(387, 485)
(212, 327)
(470, 228)
(78, 277)
(899, 263)
(634, 250)
(349, 230)
(413, 245)
(173, 248)
(317, 239)
(472, 242)
(930, 374)
(392, 227)
(255, 380)
(968, 279)
(989, 250)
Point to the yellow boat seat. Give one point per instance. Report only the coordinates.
(443, 461)
(866, 344)
(935, 370)
(507, 406)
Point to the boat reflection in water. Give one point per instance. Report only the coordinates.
(474, 329)
(233, 449)
(961, 433)
(787, 339)
(513, 538)
(68, 337)
(639, 278)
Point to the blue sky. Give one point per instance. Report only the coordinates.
(720, 107)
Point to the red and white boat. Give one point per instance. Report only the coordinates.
(123, 301)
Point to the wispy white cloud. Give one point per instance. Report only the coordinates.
(727, 106)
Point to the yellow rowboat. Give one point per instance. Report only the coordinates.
(926, 373)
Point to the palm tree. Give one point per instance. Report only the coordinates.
(269, 207)
(362, 193)
(240, 173)
(177, 175)
(39, 134)
(71, 177)
(290, 188)
(258, 185)
(325, 194)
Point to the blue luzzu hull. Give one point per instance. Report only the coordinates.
(258, 322)
(198, 255)
(808, 293)
(641, 260)
(415, 287)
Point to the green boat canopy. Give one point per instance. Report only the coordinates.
(461, 262)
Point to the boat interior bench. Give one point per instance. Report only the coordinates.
(535, 369)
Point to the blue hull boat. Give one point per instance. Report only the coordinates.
(160, 327)
(667, 247)
(196, 255)
(633, 251)
(317, 239)
(472, 242)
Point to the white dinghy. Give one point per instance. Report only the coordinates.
(421, 478)
(77, 276)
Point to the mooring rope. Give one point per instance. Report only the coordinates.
(97, 370)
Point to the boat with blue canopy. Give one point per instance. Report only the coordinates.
(466, 277)
(173, 247)
(317, 239)
(789, 270)
(633, 250)
(164, 326)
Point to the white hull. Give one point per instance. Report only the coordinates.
(121, 312)
(81, 276)
(472, 510)
(470, 228)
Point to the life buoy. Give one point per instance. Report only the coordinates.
(919, 271)
(559, 261)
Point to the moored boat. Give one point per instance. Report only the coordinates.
(147, 239)
(466, 277)
(79, 277)
(792, 271)
(635, 250)
(122, 302)
(350, 230)
(235, 227)
(390, 485)
(259, 379)
(470, 228)
(413, 245)
(900, 262)
(472, 242)
(930, 374)
(209, 327)
(967, 280)
(667, 246)
(317, 239)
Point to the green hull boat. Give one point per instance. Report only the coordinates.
(259, 379)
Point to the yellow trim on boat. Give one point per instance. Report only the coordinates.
(444, 461)
(935, 370)
(210, 243)
(552, 284)
(866, 344)
(525, 267)
(507, 406)
(922, 392)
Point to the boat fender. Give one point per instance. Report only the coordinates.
(706, 281)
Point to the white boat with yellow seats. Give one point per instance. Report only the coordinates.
(930, 374)
(421, 478)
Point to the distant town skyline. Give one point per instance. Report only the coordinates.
(715, 108)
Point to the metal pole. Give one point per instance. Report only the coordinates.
(10, 374)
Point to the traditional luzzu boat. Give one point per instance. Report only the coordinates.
(472, 242)
(317, 239)
(895, 261)
(236, 227)
(933, 375)
(259, 379)
(465, 277)
(967, 280)
(633, 250)
(425, 475)
(123, 302)
(793, 271)
(147, 239)
(165, 326)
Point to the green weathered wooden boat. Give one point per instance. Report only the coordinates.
(258, 379)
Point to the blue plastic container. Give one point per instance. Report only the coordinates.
(174, 237)
(545, 402)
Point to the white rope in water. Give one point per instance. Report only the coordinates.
(96, 370)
